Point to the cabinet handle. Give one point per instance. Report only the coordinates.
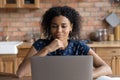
(113, 64)
(113, 51)
(117, 65)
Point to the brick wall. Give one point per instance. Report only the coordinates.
(22, 22)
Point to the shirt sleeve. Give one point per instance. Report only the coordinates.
(83, 48)
(39, 44)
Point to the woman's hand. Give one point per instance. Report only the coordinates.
(54, 45)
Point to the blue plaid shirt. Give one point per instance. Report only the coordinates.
(74, 47)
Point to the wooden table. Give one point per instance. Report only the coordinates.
(7, 76)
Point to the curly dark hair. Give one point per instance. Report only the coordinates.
(66, 11)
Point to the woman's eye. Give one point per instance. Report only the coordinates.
(53, 26)
(64, 26)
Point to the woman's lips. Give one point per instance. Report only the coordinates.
(58, 35)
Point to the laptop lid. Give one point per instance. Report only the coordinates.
(62, 68)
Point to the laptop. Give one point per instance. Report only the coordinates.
(62, 68)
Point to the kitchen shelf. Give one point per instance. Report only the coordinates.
(29, 4)
(19, 3)
(10, 3)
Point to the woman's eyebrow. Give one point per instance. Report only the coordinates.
(53, 23)
(56, 23)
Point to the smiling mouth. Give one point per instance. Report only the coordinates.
(58, 36)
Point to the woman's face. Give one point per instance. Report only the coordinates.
(60, 27)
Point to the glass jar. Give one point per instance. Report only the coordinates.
(111, 37)
(99, 35)
(105, 35)
(111, 34)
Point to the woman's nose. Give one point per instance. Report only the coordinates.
(59, 29)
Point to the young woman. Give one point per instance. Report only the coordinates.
(61, 27)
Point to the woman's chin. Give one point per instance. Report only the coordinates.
(59, 38)
(62, 39)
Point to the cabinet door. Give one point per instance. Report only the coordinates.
(19, 60)
(11, 3)
(118, 66)
(113, 65)
(0, 3)
(29, 3)
(8, 64)
(1, 65)
(109, 56)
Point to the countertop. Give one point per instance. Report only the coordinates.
(25, 45)
(93, 44)
(105, 44)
